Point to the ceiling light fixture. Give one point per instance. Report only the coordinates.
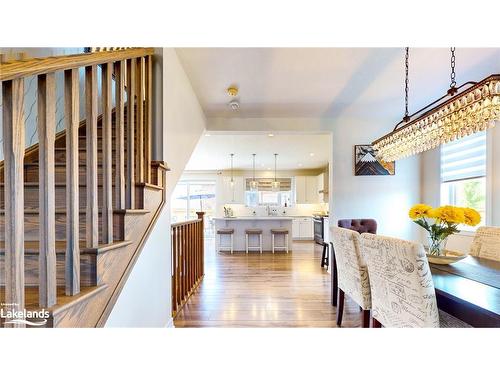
(311, 154)
(270, 135)
(275, 185)
(232, 91)
(455, 115)
(254, 185)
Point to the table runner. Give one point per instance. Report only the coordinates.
(476, 272)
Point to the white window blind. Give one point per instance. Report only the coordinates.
(464, 158)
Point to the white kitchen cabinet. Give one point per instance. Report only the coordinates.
(322, 181)
(306, 189)
(302, 228)
(311, 189)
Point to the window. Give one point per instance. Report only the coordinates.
(265, 196)
(463, 174)
(192, 196)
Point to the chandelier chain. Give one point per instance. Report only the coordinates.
(406, 82)
(453, 81)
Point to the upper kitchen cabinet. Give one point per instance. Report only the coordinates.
(322, 181)
(306, 189)
(232, 194)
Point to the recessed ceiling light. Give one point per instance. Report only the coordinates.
(207, 135)
(300, 164)
(311, 154)
(270, 135)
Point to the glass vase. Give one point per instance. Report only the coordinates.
(437, 245)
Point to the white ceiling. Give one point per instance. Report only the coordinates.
(327, 82)
(212, 152)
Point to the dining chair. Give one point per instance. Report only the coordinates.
(358, 225)
(486, 243)
(352, 273)
(402, 290)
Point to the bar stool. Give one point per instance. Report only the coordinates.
(279, 231)
(226, 231)
(248, 233)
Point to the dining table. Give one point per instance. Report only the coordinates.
(469, 290)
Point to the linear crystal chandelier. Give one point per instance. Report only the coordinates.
(464, 110)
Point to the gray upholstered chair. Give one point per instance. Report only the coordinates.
(402, 290)
(352, 273)
(486, 243)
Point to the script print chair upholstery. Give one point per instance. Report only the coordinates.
(358, 225)
(402, 289)
(486, 243)
(352, 273)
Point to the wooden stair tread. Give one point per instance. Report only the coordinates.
(31, 247)
(63, 301)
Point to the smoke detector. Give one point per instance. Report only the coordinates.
(234, 105)
(232, 91)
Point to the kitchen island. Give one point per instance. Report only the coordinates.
(266, 223)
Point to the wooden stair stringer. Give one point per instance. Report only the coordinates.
(114, 267)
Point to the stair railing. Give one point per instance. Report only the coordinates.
(187, 260)
(133, 74)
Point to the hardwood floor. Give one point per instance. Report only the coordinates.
(268, 290)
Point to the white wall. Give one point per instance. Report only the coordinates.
(145, 300)
(431, 180)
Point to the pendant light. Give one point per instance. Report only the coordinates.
(275, 185)
(254, 185)
(469, 108)
(232, 173)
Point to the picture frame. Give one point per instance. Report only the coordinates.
(366, 163)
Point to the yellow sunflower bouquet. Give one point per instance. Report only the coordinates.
(441, 222)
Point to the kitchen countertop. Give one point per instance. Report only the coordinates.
(260, 218)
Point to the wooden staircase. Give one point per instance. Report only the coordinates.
(72, 230)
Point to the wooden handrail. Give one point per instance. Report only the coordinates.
(187, 260)
(26, 68)
(184, 223)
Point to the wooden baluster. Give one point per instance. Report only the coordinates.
(72, 118)
(140, 119)
(190, 271)
(195, 252)
(130, 185)
(181, 264)
(13, 135)
(149, 114)
(179, 261)
(120, 134)
(92, 222)
(47, 292)
(183, 250)
(200, 234)
(107, 154)
(201, 216)
(186, 261)
(173, 240)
